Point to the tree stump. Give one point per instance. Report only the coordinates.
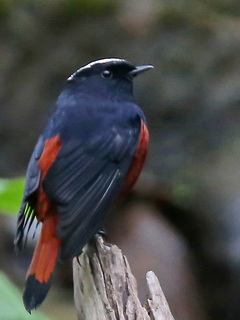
(105, 289)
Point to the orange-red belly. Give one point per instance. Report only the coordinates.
(51, 149)
(138, 159)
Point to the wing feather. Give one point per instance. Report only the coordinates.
(84, 180)
(27, 213)
(88, 223)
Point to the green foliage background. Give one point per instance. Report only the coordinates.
(10, 195)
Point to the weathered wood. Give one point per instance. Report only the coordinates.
(105, 289)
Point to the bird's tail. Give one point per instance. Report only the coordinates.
(39, 274)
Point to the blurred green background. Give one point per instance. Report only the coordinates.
(182, 219)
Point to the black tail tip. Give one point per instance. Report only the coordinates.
(35, 292)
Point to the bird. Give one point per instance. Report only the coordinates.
(90, 152)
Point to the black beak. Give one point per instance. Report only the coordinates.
(140, 69)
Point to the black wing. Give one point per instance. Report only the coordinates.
(27, 212)
(84, 180)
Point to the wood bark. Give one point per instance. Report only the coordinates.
(105, 288)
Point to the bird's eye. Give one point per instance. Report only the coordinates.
(106, 74)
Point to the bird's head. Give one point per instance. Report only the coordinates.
(110, 76)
